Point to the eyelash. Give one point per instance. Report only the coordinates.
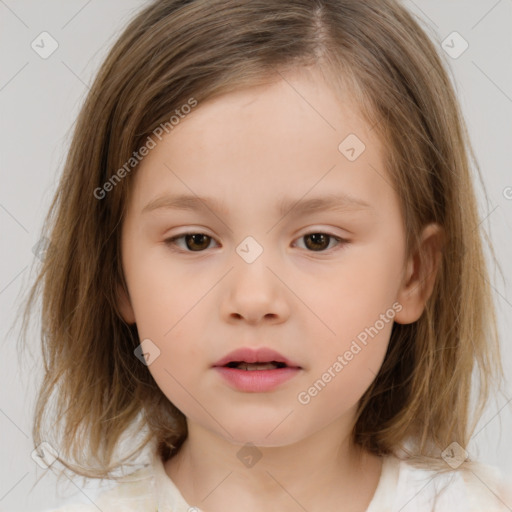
(171, 242)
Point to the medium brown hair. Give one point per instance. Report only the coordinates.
(174, 50)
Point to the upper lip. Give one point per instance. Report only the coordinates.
(255, 355)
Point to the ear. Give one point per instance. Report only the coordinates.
(124, 305)
(420, 275)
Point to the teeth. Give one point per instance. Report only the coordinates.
(257, 366)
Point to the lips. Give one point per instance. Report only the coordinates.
(259, 370)
(262, 355)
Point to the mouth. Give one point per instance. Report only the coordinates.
(259, 370)
(255, 359)
(242, 365)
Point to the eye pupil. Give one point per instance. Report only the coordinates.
(318, 239)
(196, 239)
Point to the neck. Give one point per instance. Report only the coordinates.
(215, 474)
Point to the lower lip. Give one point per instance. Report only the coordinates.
(256, 381)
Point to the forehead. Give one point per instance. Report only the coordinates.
(295, 135)
(296, 112)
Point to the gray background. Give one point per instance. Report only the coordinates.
(39, 102)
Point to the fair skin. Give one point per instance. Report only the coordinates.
(307, 299)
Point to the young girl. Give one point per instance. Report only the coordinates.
(264, 271)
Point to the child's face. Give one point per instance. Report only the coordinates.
(308, 298)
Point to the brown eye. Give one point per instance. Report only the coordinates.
(319, 242)
(194, 242)
(197, 241)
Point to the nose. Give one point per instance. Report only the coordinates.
(254, 292)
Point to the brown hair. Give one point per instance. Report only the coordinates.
(174, 50)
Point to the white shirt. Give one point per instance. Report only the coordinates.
(401, 488)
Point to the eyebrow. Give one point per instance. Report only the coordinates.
(333, 202)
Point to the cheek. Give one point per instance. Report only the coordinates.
(161, 294)
(168, 311)
(344, 372)
(181, 361)
(359, 308)
(353, 297)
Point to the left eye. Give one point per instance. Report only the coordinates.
(197, 242)
(319, 242)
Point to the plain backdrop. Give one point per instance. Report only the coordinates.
(39, 101)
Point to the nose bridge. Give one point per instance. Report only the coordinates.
(253, 290)
(250, 264)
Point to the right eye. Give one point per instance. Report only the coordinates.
(194, 242)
